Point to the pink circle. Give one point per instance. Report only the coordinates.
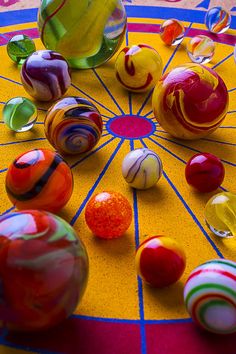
(131, 127)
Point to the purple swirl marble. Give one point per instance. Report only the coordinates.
(45, 75)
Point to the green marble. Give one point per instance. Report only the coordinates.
(86, 32)
(20, 114)
(20, 47)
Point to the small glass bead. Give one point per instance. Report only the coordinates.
(201, 49)
(20, 47)
(20, 114)
(217, 19)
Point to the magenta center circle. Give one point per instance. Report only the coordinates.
(131, 127)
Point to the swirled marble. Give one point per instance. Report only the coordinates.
(172, 32)
(210, 296)
(142, 168)
(73, 125)
(45, 75)
(220, 214)
(217, 19)
(138, 68)
(201, 49)
(39, 179)
(86, 33)
(44, 270)
(190, 101)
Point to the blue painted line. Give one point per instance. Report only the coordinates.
(174, 321)
(91, 153)
(189, 148)
(4, 170)
(7, 79)
(195, 219)
(222, 61)
(205, 4)
(231, 90)
(103, 115)
(22, 141)
(223, 189)
(230, 112)
(75, 217)
(218, 142)
(7, 211)
(105, 135)
(109, 320)
(140, 285)
(227, 127)
(30, 15)
(167, 150)
(42, 109)
(148, 114)
(145, 101)
(108, 91)
(91, 98)
(143, 143)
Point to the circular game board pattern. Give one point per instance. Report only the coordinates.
(118, 313)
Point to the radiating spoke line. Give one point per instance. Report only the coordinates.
(140, 285)
(75, 217)
(108, 91)
(218, 142)
(167, 150)
(91, 153)
(3, 170)
(130, 103)
(22, 141)
(223, 60)
(145, 102)
(93, 99)
(227, 127)
(103, 115)
(231, 112)
(231, 90)
(190, 148)
(176, 49)
(105, 135)
(13, 81)
(195, 219)
(148, 114)
(7, 211)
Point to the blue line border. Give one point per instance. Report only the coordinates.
(197, 16)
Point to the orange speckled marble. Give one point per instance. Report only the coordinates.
(108, 214)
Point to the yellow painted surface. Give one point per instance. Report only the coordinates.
(113, 289)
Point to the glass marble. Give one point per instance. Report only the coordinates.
(45, 75)
(43, 273)
(205, 172)
(160, 261)
(20, 47)
(210, 296)
(217, 19)
(39, 179)
(108, 214)
(220, 214)
(201, 49)
(20, 114)
(172, 32)
(138, 68)
(86, 33)
(190, 101)
(142, 168)
(73, 125)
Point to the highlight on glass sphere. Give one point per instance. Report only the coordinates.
(19, 47)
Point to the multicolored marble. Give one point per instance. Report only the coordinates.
(20, 47)
(201, 49)
(39, 179)
(142, 168)
(172, 32)
(160, 261)
(86, 33)
(138, 68)
(190, 101)
(217, 19)
(220, 214)
(108, 214)
(45, 75)
(43, 273)
(20, 114)
(210, 296)
(204, 172)
(73, 125)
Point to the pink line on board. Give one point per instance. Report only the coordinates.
(31, 32)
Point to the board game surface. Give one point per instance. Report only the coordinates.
(119, 314)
